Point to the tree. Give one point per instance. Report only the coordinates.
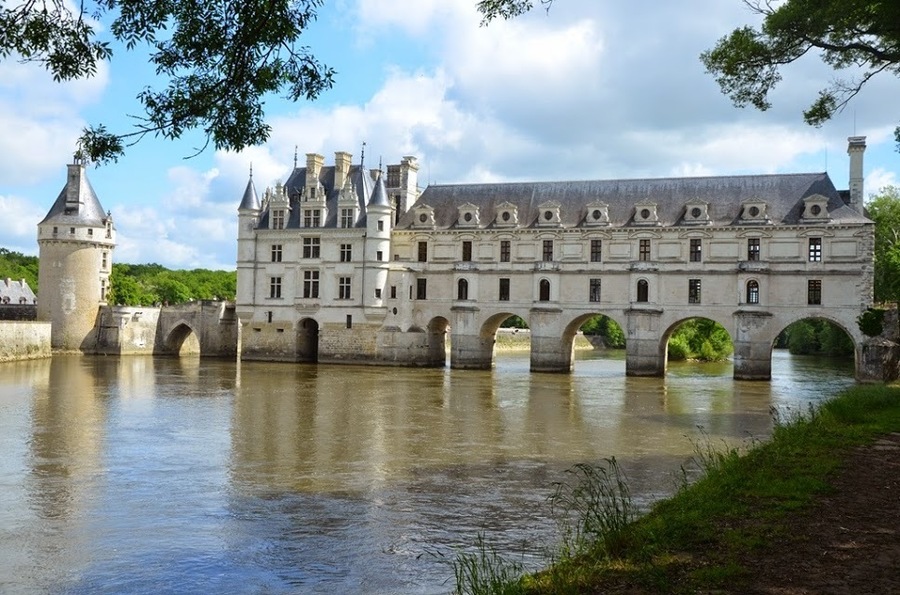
(219, 60)
(884, 210)
(859, 34)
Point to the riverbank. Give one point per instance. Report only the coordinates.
(513, 339)
(813, 510)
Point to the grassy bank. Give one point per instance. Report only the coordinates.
(704, 537)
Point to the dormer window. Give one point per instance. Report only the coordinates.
(423, 216)
(696, 213)
(815, 209)
(312, 218)
(645, 213)
(277, 219)
(548, 214)
(597, 214)
(754, 211)
(507, 215)
(468, 216)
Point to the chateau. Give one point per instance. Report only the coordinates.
(343, 264)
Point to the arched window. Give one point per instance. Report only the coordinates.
(752, 292)
(544, 291)
(643, 291)
(462, 289)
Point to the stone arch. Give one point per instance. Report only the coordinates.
(571, 330)
(182, 340)
(308, 340)
(474, 339)
(727, 324)
(438, 330)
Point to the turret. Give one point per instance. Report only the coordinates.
(76, 241)
(378, 242)
(248, 219)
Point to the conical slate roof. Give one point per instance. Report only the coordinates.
(250, 200)
(86, 211)
(379, 196)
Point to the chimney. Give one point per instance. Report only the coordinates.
(341, 168)
(314, 163)
(74, 184)
(855, 148)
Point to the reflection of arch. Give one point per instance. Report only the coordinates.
(308, 340)
(182, 340)
(752, 291)
(462, 289)
(544, 290)
(643, 291)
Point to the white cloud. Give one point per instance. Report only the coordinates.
(879, 178)
(20, 217)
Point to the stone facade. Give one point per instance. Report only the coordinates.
(333, 266)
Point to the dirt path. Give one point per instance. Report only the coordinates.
(850, 542)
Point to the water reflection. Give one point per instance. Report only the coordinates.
(147, 475)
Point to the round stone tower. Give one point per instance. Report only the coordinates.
(75, 242)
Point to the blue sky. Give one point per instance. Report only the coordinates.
(592, 90)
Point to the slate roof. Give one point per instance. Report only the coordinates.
(90, 212)
(250, 199)
(782, 193)
(15, 291)
(359, 176)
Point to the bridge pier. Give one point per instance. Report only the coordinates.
(472, 352)
(752, 356)
(550, 350)
(644, 355)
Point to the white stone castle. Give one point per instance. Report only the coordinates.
(343, 264)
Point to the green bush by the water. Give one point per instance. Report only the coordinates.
(815, 336)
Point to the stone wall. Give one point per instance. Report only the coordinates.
(24, 340)
(18, 312)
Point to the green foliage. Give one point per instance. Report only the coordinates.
(858, 34)
(506, 9)
(17, 266)
(220, 59)
(884, 210)
(815, 336)
(514, 322)
(485, 572)
(145, 284)
(701, 339)
(871, 322)
(606, 327)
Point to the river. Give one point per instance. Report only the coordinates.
(143, 475)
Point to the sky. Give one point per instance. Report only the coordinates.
(592, 89)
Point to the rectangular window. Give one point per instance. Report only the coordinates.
(696, 248)
(815, 249)
(644, 250)
(814, 292)
(594, 294)
(423, 251)
(753, 249)
(72, 231)
(276, 252)
(278, 219)
(596, 248)
(504, 250)
(377, 293)
(310, 247)
(346, 252)
(393, 292)
(349, 321)
(421, 289)
(381, 225)
(379, 255)
(312, 218)
(311, 284)
(467, 251)
(105, 260)
(90, 232)
(275, 287)
(343, 288)
(346, 217)
(504, 290)
(548, 250)
(693, 291)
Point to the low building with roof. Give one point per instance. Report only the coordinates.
(17, 300)
(343, 264)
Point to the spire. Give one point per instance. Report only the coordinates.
(379, 196)
(77, 203)
(362, 157)
(250, 199)
(295, 156)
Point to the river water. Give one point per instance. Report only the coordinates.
(143, 475)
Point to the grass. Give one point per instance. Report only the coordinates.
(700, 538)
